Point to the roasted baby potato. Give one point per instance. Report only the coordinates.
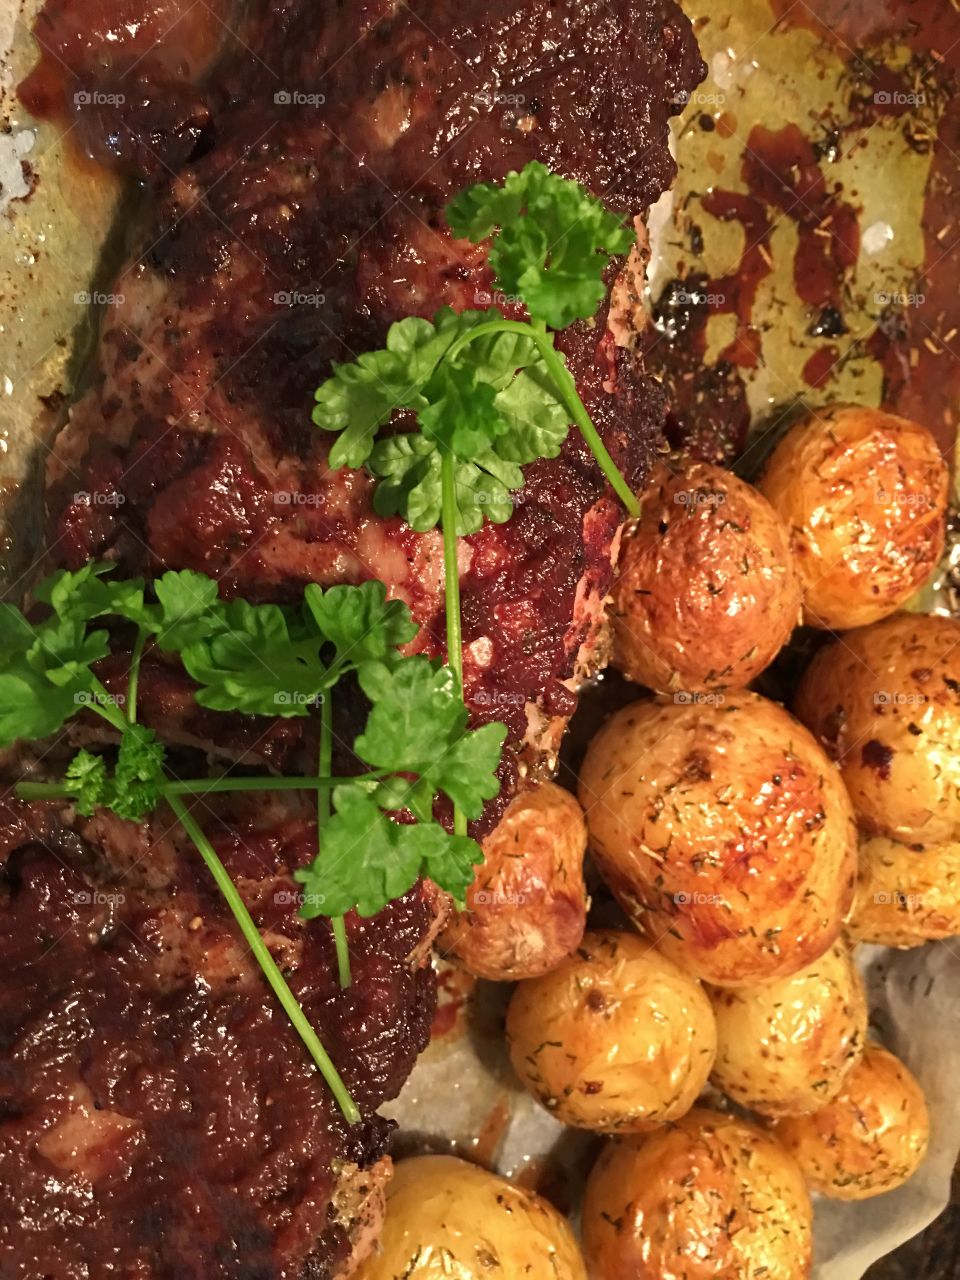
(906, 894)
(784, 1048)
(885, 702)
(446, 1218)
(615, 1039)
(724, 832)
(864, 495)
(870, 1138)
(709, 1197)
(708, 592)
(527, 907)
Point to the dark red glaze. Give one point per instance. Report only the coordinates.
(817, 370)
(787, 173)
(295, 240)
(785, 178)
(159, 1116)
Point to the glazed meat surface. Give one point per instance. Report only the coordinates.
(159, 1119)
(304, 230)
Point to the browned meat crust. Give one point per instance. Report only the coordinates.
(159, 1116)
(296, 239)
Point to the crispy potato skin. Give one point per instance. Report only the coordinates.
(616, 1039)
(864, 495)
(710, 1198)
(906, 894)
(527, 907)
(784, 1048)
(708, 592)
(446, 1218)
(724, 832)
(871, 1138)
(885, 702)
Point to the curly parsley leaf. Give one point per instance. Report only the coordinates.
(46, 676)
(418, 725)
(30, 707)
(361, 396)
(138, 778)
(490, 433)
(252, 664)
(367, 860)
(188, 609)
(553, 243)
(360, 622)
(89, 593)
(86, 775)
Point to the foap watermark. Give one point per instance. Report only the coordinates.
(903, 901)
(699, 498)
(87, 698)
(297, 299)
(884, 299)
(898, 98)
(297, 98)
(894, 698)
(698, 899)
(95, 299)
(287, 699)
(698, 98)
(497, 698)
(686, 699)
(887, 498)
(83, 498)
(497, 98)
(98, 898)
(292, 498)
(292, 898)
(494, 298)
(96, 98)
(495, 898)
(698, 298)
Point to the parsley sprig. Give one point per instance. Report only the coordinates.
(276, 661)
(487, 394)
(491, 394)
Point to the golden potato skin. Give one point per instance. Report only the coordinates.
(885, 702)
(710, 1198)
(907, 895)
(864, 495)
(447, 1218)
(871, 1138)
(784, 1048)
(724, 832)
(527, 907)
(708, 592)
(616, 1039)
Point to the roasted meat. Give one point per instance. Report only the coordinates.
(159, 1117)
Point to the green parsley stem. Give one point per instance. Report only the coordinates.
(105, 705)
(198, 786)
(133, 677)
(451, 579)
(262, 782)
(324, 765)
(563, 380)
(568, 389)
(267, 963)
